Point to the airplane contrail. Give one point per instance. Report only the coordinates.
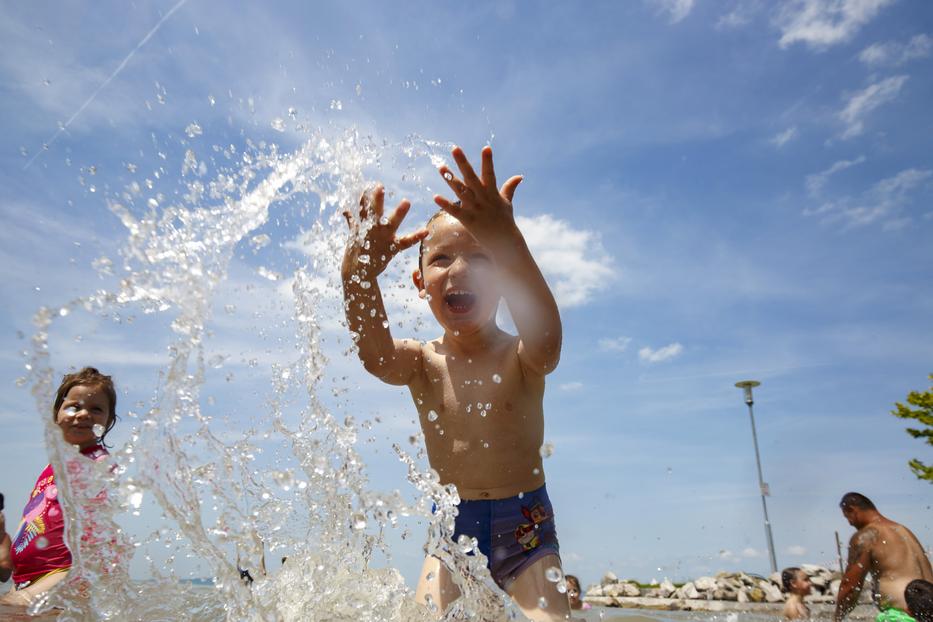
(103, 84)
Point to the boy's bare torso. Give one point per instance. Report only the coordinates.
(897, 558)
(489, 425)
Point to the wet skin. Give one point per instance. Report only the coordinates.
(887, 550)
(83, 407)
(474, 256)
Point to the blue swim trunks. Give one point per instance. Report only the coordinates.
(512, 533)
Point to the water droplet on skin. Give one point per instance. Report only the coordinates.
(448, 176)
(98, 430)
(432, 416)
(536, 471)
(71, 411)
(546, 450)
(553, 574)
(497, 378)
(542, 603)
(429, 576)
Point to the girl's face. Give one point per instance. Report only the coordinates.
(801, 584)
(573, 594)
(83, 415)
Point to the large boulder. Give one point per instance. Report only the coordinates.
(705, 584)
(756, 595)
(666, 589)
(772, 593)
(608, 578)
(622, 588)
(688, 590)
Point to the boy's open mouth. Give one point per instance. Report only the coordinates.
(460, 301)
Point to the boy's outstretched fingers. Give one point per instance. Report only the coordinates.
(407, 241)
(489, 171)
(454, 208)
(466, 169)
(508, 188)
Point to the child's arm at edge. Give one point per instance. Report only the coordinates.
(486, 211)
(6, 545)
(393, 361)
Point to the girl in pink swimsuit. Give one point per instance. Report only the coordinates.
(36, 555)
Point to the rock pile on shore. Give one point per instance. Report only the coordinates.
(725, 586)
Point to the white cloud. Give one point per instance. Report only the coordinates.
(740, 15)
(660, 355)
(796, 549)
(895, 53)
(868, 99)
(823, 23)
(781, 139)
(676, 9)
(614, 344)
(817, 181)
(881, 202)
(750, 553)
(571, 386)
(573, 260)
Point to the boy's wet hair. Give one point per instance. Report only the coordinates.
(88, 377)
(856, 500)
(787, 577)
(919, 597)
(433, 217)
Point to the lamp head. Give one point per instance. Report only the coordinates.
(746, 386)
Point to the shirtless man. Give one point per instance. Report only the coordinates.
(889, 551)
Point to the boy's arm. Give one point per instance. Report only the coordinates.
(366, 257)
(486, 212)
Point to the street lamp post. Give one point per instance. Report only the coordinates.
(746, 386)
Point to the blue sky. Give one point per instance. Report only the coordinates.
(716, 190)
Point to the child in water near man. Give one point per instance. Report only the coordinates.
(37, 556)
(478, 390)
(796, 585)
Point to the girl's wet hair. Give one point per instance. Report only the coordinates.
(88, 377)
(569, 578)
(787, 577)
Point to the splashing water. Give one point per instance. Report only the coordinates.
(196, 480)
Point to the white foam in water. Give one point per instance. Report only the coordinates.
(183, 467)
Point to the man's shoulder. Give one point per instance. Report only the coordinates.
(865, 537)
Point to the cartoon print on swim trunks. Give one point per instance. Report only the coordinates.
(527, 533)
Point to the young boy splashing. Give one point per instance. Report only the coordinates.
(478, 390)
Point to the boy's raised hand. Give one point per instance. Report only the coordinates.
(382, 237)
(483, 208)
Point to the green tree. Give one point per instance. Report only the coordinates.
(923, 413)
